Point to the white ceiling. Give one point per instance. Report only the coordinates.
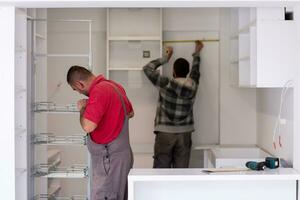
(141, 3)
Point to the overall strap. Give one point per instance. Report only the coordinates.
(121, 98)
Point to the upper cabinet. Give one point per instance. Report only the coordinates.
(262, 47)
(134, 24)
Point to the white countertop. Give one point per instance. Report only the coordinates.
(199, 175)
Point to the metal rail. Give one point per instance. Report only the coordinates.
(52, 139)
(52, 107)
(52, 171)
(54, 197)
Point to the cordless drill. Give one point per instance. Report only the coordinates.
(257, 166)
(270, 162)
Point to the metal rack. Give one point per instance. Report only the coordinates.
(53, 108)
(51, 139)
(52, 171)
(43, 169)
(54, 197)
(38, 62)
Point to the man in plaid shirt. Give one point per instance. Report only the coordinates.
(174, 121)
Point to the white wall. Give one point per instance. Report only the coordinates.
(237, 105)
(268, 101)
(72, 38)
(296, 140)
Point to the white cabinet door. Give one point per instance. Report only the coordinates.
(266, 47)
(276, 53)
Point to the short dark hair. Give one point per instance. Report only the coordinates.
(77, 72)
(181, 67)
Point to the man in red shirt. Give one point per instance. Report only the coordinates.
(104, 115)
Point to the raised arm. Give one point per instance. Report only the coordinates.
(153, 74)
(195, 71)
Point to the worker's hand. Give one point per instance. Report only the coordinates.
(169, 52)
(198, 46)
(131, 115)
(81, 104)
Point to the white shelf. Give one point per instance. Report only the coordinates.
(134, 38)
(125, 69)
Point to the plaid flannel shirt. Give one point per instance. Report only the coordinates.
(174, 112)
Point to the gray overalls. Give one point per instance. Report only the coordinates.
(111, 164)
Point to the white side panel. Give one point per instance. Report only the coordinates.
(21, 106)
(7, 78)
(253, 55)
(40, 90)
(296, 138)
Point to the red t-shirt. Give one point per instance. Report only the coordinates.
(104, 108)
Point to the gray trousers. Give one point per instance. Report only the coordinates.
(111, 164)
(172, 150)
